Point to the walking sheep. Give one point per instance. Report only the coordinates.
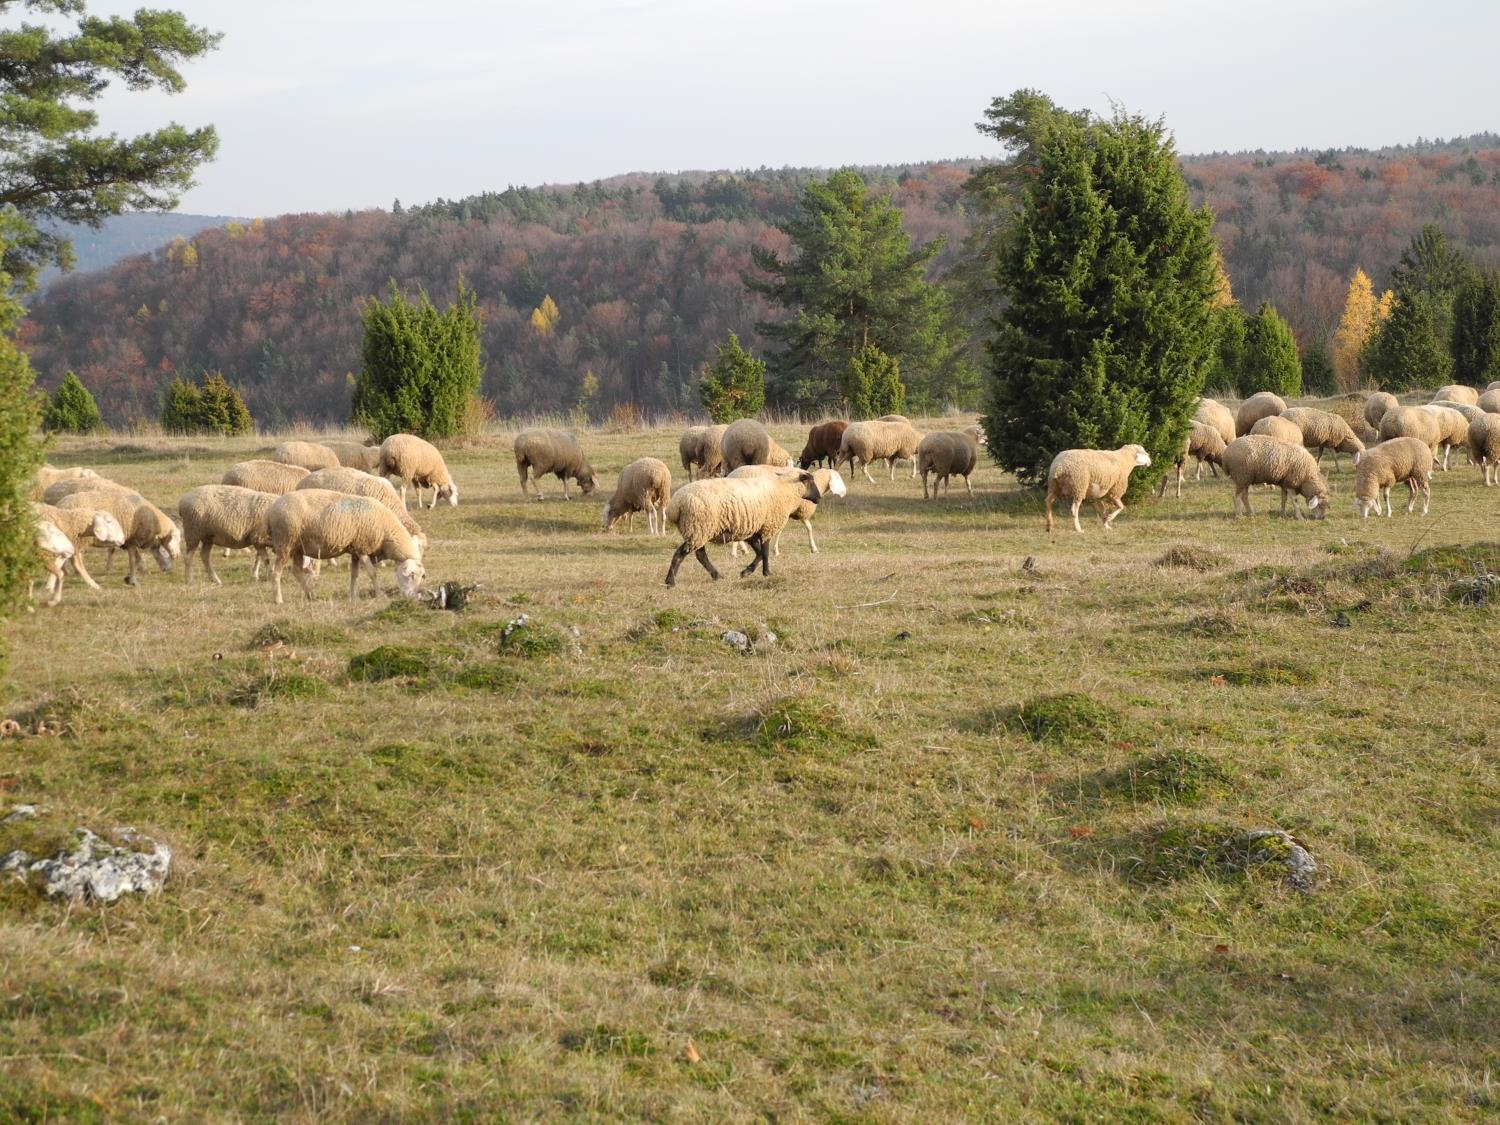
(1257, 459)
(1412, 421)
(84, 527)
(1484, 445)
(1453, 428)
(146, 526)
(699, 448)
(356, 482)
(315, 523)
(265, 476)
(1275, 426)
(356, 455)
(223, 515)
(887, 440)
(310, 455)
(645, 485)
(823, 442)
(1323, 431)
(747, 442)
(1203, 442)
(1378, 405)
(540, 452)
(1261, 405)
(829, 484)
(1457, 392)
(1100, 475)
(731, 510)
(417, 463)
(1390, 463)
(948, 453)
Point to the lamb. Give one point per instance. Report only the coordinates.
(1412, 421)
(1378, 405)
(749, 509)
(700, 448)
(1391, 462)
(645, 485)
(83, 527)
(1484, 445)
(1489, 402)
(1203, 441)
(315, 523)
(55, 549)
(265, 476)
(1253, 409)
(1076, 475)
(417, 463)
(1324, 430)
(146, 526)
(1457, 392)
(866, 442)
(311, 455)
(1453, 425)
(829, 484)
(1213, 413)
(823, 443)
(1258, 459)
(540, 452)
(1275, 426)
(49, 475)
(359, 483)
(948, 453)
(223, 515)
(747, 442)
(356, 455)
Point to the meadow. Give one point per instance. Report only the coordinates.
(958, 844)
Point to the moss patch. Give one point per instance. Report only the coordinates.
(1166, 853)
(390, 662)
(1065, 718)
(1265, 673)
(1192, 558)
(1175, 776)
(277, 683)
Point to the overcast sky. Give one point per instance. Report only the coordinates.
(331, 104)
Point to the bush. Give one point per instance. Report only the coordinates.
(19, 457)
(421, 366)
(1271, 359)
(735, 386)
(214, 408)
(71, 410)
(871, 384)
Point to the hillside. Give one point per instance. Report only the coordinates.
(646, 272)
(138, 232)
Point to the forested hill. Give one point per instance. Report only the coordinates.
(645, 272)
(136, 232)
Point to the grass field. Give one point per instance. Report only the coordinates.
(957, 845)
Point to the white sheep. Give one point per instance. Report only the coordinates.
(1412, 421)
(1323, 431)
(1484, 445)
(1489, 402)
(829, 483)
(223, 515)
(1100, 475)
(49, 475)
(1263, 404)
(1203, 442)
(700, 448)
(1378, 405)
(146, 527)
(355, 455)
(542, 451)
(729, 510)
(1457, 392)
(315, 523)
(949, 453)
(888, 440)
(311, 455)
(1275, 426)
(1212, 412)
(59, 490)
(84, 527)
(265, 476)
(747, 442)
(1257, 459)
(645, 485)
(1390, 463)
(357, 482)
(1453, 427)
(55, 549)
(416, 462)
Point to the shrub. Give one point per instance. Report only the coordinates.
(871, 384)
(420, 368)
(213, 408)
(71, 410)
(735, 386)
(19, 457)
(1067, 717)
(1271, 360)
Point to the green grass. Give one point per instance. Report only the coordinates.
(960, 845)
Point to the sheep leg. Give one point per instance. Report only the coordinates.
(1243, 496)
(1386, 492)
(776, 545)
(564, 479)
(864, 468)
(262, 558)
(208, 562)
(109, 559)
(677, 556)
(374, 585)
(1049, 512)
(354, 561)
(1077, 503)
(135, 559)
(812, 544)
(1110, 519)
(969, 485)
(88, 579)
(924, 487)
(1426, 489)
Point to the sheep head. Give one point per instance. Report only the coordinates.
(106, 530)
(448, 492)
(409, 576)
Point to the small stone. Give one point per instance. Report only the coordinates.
(20, 812)
(1275, 845)
(96, 869)
(735, 639)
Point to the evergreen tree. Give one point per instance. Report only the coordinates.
(1109, 276)
(1476, 330)
(1404, 351)
(20, 453)
(213, 408)
(71, 410)
(1228, 360)
(854, 281)
(181, 407)
(735, 386)
(1432, 272)
(1271, 359)
(420, 365)
(1317, 371)
(871, 384)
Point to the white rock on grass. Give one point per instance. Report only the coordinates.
(95, 869)
(1275, 845)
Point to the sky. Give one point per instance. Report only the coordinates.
(333, 105)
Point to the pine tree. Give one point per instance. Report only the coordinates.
(871, 384)
(222, 410)
(1228, 361)
(181, 407)
(735, 386)
(1353, 332)
(1317, 371)
(1404, 351)
(20, 453)
(421, 366)
(71, 410)
(1432, 272)
(1271, 359)
(1476, 330)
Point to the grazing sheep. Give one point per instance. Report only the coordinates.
(223, 515)
(645, 485)
(1275, 426)
(146, 526)
(1204, 442)
(1484, 445)
(1494, 386)
(882, 439)
(311, 455)
(1264, 404)
(1378, 405)
(1412, 421)
(1212, 412)
(417, 463)
(747, 442)
(1323, 431)
(1258, 459)
(49, 475)
(84, 527)
(829, 484)
(356, 482)
(948, 453)
(751, 509)
(823, 442)
(265, 476)
(1366, 433)
(1489, 402)
(540, 452)
(1457, 392)
(894, 418)
(356, 455)
(700, 448)
(62, 489)
(317, 523)
(1389, 463)
(1453, 425)
(55, 549)
(1076, 475)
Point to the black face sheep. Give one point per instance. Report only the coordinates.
(1323, 430)
(84, 527)
(645, 485)
(1203, 442)
(310, 455)
(885, 440)
(1100, 475)
(823, 442)
(1263, 404)
(1457, 392)
(1389, 463)
(265, 476)
(146, 526)
(316, 523)
(1484, 445)
(1378, 405)
(948, 453)
(747, 442)
(700, 449)
(1453, 428)
(540, 451)
(416, 462)
(731, 510)
(356, 482)
(1212, 412)
(829, 484)
(1257, 459)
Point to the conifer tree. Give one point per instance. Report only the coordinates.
(1404, 351)
(1271, 359)
(1476, 330)
(735, 386)
(421, 366)
(71, 409)
(871, 384)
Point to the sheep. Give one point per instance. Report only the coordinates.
(1275, 426)
(265, 476)
(1212, 412)
(417, 463)
(747, 442)
(1077, 475)
(59, 490)
(700, 448)
(1258, 459)
(55, 549)
(83, 527)
(1323, 430)
(1489, 402)
(1457, 392)
(1378, 405)
(894, 418)
(311, 455)
(356, 455)
(1412, 421)
(356, 482)
(49, 474)
(1494, 386)
(948, 453)
(1400, 459)
(1253, 409)
(315, 523)
(822, 443)
(753, 509)
(1484, 445)
(829, 483)
(146, 526)
(223, 515)
(1204, 442)
(645, 485)
(1453, 425)
(540, 452)
(866, 442)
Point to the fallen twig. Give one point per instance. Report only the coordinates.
(867, 605)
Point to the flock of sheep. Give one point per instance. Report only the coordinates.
(317, 501)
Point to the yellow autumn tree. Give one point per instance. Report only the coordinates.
(1223, 293)
(1384, 305)
(545, 316)
(1353, 330)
